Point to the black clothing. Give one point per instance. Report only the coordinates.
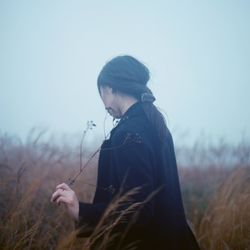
(133, 157)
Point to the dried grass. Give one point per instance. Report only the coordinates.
(216, 199)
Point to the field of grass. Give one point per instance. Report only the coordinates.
(215, 183)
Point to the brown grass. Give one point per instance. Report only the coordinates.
(226, 222)
(216, 196)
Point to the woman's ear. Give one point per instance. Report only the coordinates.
(108, 89)
(104, 90)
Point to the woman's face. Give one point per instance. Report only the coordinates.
(111, 101)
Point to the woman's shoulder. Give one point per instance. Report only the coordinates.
(136, 129)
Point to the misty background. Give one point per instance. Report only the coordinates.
(198, 52)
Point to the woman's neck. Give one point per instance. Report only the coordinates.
(127, 103)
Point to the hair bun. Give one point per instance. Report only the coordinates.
(147, 97)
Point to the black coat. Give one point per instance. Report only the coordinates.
(133, 157)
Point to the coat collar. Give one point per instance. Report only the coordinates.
(134, 110)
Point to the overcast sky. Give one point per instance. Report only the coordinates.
(197, 51)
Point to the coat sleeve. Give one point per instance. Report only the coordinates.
(133, 168)
(89, 215)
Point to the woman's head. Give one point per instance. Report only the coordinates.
(126, 75)
(122, 79)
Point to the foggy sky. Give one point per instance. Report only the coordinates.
(197, 51)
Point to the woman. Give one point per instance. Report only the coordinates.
(138, 156)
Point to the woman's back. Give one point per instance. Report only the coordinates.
(144, 162)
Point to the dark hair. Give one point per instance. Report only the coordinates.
(127, 75)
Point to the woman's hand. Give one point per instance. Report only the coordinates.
(64, 194)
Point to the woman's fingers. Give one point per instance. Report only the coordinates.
(59, 189)
(63, 186)
(67, 196)
(62, 199)
(56, 194)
